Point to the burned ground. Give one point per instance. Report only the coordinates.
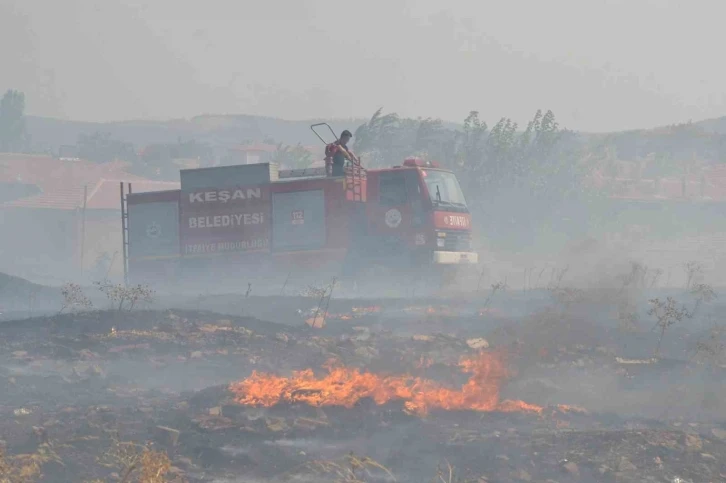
(75, 387)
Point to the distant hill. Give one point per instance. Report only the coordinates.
(706, 138)
(48, 133)
(716, 125)
(18, 294)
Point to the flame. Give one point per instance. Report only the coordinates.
(344, 386)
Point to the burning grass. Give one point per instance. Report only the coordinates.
(560, 352)
(344, 386)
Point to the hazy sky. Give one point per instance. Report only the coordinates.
(598, 64)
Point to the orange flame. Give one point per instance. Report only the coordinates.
(346, 386)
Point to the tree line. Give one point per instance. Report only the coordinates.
(13, 134)
(521, 179)
(518, 180)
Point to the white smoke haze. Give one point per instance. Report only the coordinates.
(588, 140)
(275, 60)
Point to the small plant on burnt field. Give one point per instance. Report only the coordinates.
(318, 319)
(496, 287)
(74, 298)
(640, 277)
(314, 292)
(712, 349)
(566, 298)
(628, 317)
(668, 313)
(351, 469)
(319, 291)
(556, 277)
(694, 273)
(139, 463)
(126, 297)
(26, 468)
(448, 474)
(703, 293)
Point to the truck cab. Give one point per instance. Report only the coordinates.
(417, 213)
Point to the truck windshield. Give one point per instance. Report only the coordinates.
(444, 189)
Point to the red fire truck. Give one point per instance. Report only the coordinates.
(255, 219)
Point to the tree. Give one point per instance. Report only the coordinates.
(433, 141)
(377, 139)
(12, 121)
(296, 157)
(518, 180)
(100, 147)
(685, 141)
(386, 140)
(469, 143)
(157, 161)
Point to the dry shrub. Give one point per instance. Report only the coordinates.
(667, 313)
(26, 468)
(74, 298)
(5, 468)
(154, 466)
(139, 463)
(350, 469)
(318, 291)
(448, 474)
(694, 273)
(640, 277)
(712, 350)
(496, 287)
(125, 297)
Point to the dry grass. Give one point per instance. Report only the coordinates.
(26, 468)
(139, 463)
(350, 469)
(74, 298)
(712, 350)
(448, 474)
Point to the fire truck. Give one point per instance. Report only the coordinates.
(237, 221)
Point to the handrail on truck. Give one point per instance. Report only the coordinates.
(355, 161)
(313, 126)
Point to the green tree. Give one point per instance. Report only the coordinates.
(295, 157)
(157, 161)
(517, 180)
(386, 140)
(378, 139)
(13, 136)
(469, 144)
(433, 141)
(685, 141)
(100, 147)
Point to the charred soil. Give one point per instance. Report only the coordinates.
(406, 392)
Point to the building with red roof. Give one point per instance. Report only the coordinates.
(251, 153)
(59, 216)
(707, 184)
(265, 153)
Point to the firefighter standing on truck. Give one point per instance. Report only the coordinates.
(338, 152)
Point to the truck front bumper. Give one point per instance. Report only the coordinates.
(455, 258)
